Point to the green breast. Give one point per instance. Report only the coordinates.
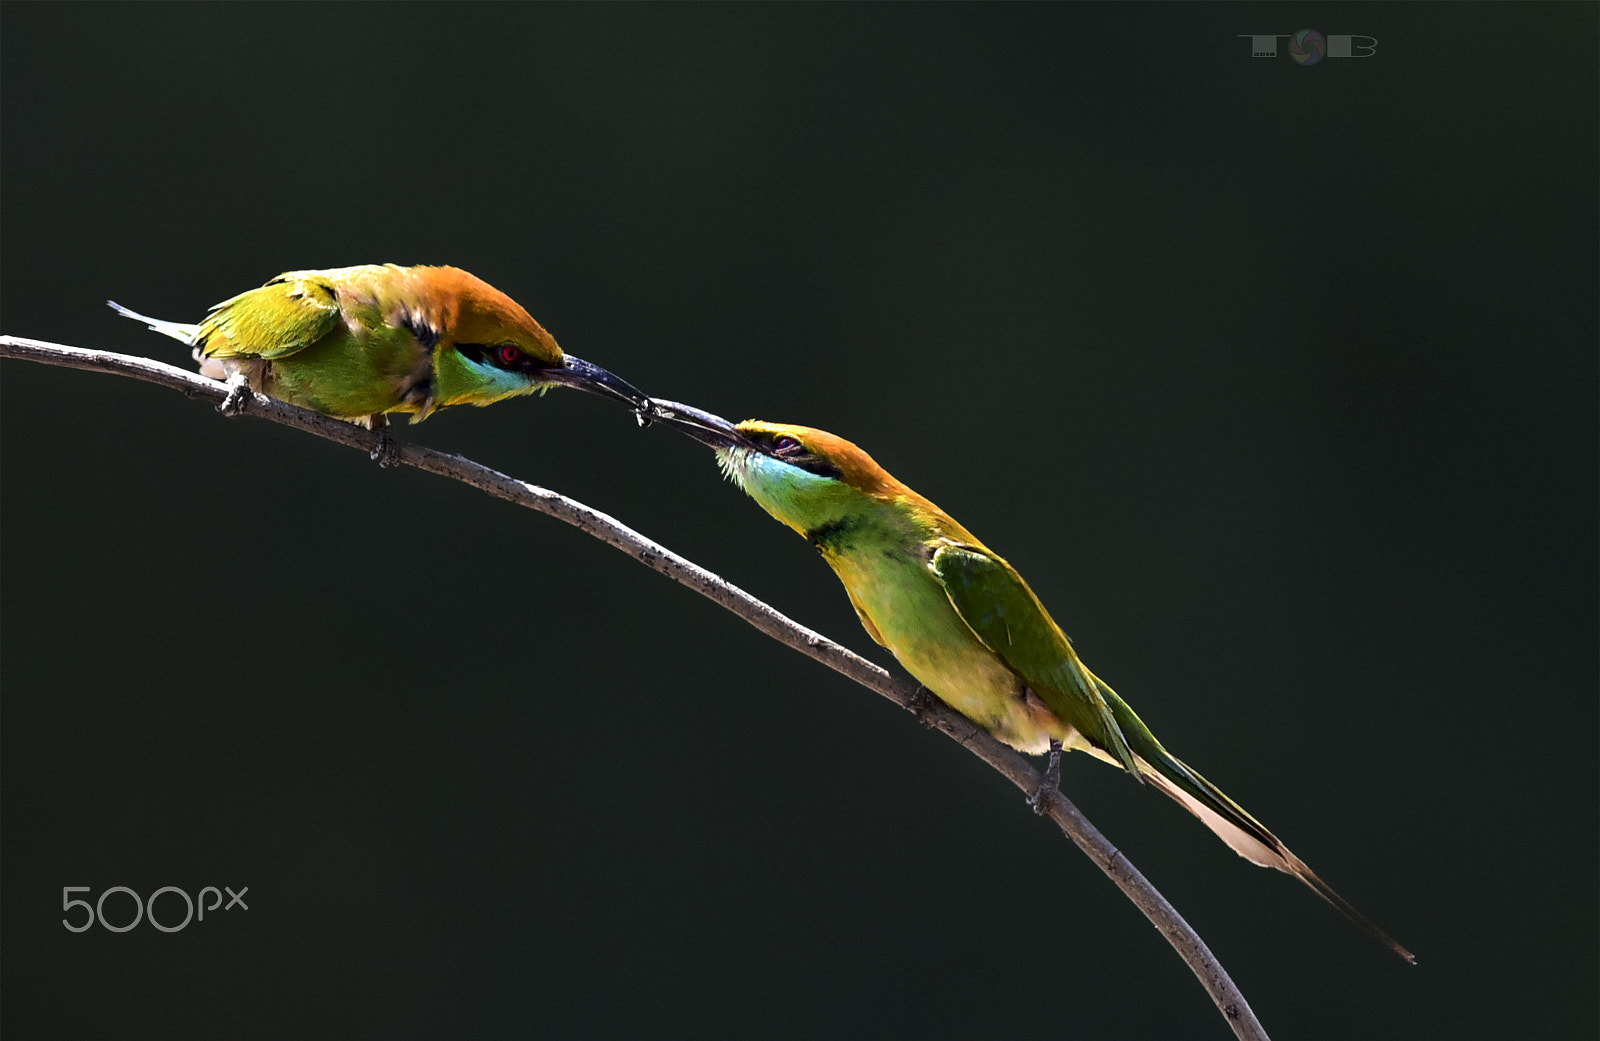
(898, 595)
(353, 375)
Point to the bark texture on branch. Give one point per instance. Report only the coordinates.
(764, 617)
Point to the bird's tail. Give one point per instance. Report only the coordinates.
(1246, 835)
(177, 330)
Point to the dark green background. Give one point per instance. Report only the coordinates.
(1278, 384)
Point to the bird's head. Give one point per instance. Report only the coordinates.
(805, 477)
(487, 347)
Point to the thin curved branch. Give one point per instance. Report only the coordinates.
(759, 614)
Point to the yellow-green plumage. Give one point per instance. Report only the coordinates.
(962, 620)
(359, 342)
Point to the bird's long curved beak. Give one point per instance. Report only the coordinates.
(582, 375)
(705, 428)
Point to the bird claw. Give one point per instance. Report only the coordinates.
(1050, 785)
(238, 395)
(387, 453)
(921, 701)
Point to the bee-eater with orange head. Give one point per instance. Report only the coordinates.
(963, 622)
(361, 342)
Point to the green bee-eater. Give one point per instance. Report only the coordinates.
(963, 622)
(360, 342)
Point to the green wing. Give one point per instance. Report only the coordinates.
(286, 315)
(1000, 609)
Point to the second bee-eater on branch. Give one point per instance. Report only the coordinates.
(361, 342)
(964, 623)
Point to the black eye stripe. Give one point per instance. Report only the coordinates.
(490, 354)
(820, 467)
(790, 449)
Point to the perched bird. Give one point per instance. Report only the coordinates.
(963, 622)
(361, 342)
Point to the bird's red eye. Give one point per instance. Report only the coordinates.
(786, 445)
(507, 353)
